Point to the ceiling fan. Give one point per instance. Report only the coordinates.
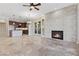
(32, 6)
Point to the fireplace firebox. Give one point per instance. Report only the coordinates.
(57, 34)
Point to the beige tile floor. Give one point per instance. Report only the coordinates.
(36, 46)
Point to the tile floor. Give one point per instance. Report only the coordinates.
(37, 46)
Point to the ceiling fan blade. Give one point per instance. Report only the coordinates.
(31, 4)
(26, 5)
(36, 8)
(38, 4)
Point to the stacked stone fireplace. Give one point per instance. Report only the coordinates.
(57, 34)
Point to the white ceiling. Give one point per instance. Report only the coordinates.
(7, 10)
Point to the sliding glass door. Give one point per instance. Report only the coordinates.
(35, 28)
(39, 27)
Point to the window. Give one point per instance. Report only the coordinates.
(39, 27)
(35, 28)
(43, 26)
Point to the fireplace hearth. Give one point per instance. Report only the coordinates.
(57, 34)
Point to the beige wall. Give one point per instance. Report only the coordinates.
(3, 31)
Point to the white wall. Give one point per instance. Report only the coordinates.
(31, 29)
(62, 19)
(78, 24)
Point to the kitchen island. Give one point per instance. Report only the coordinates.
(16, 33)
